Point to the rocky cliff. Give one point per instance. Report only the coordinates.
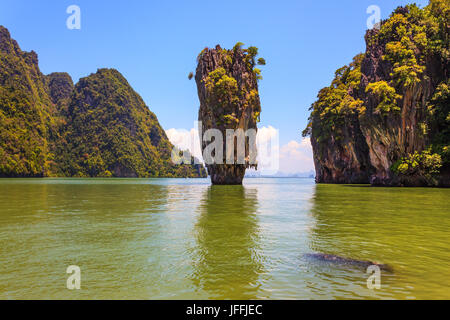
(98, 128)
(60, 88)
(385, 118)
(227, 84)
(111, 132)
(26, 113)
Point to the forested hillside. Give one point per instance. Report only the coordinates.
(98, 128)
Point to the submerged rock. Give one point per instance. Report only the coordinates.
(227, 85)
(330, 258)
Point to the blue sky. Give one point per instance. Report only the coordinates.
(154, 44)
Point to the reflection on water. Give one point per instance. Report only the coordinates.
(228, 257)
(405, 228)
(103, 228)
(184, 239)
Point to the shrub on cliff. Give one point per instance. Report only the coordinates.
(420, 164)
(336, 102)
(224, 93)
(410, 35)
(386, 95)
(439, 121)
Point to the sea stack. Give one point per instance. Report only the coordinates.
(227, 85)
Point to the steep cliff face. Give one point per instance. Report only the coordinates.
(340, 150)
(398, 133)
(60, 88)
(227, 84)
(385, 118)
(26, 113)
(100, 127)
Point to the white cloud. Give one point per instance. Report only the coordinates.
(266, 134)
(293, 157)
(296, 157)
(186, 140)
(268, 146)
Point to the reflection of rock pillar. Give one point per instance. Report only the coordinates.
(227, 243)
(228, 93)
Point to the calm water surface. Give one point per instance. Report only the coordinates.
(184, 239)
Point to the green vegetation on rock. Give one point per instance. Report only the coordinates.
(27, 121)
(386, 95)
(227, 86)
(420, 164)
(222, 87)
(98, 128)
(391, 103)
(337, 102)
(112, 132)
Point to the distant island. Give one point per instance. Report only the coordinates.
(99, 127)
(279, 174)
(385, 118)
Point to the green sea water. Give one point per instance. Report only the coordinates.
(186, 239)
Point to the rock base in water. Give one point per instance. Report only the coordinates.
(226, 174)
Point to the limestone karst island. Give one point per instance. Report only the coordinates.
(99, 127)
(385, 117)
(227, 82)
(242, 151)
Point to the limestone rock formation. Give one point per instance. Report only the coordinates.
(26, 113)
(111, 132)
(227, 85)
(98, 128)
(60, 88)
(385, 119)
